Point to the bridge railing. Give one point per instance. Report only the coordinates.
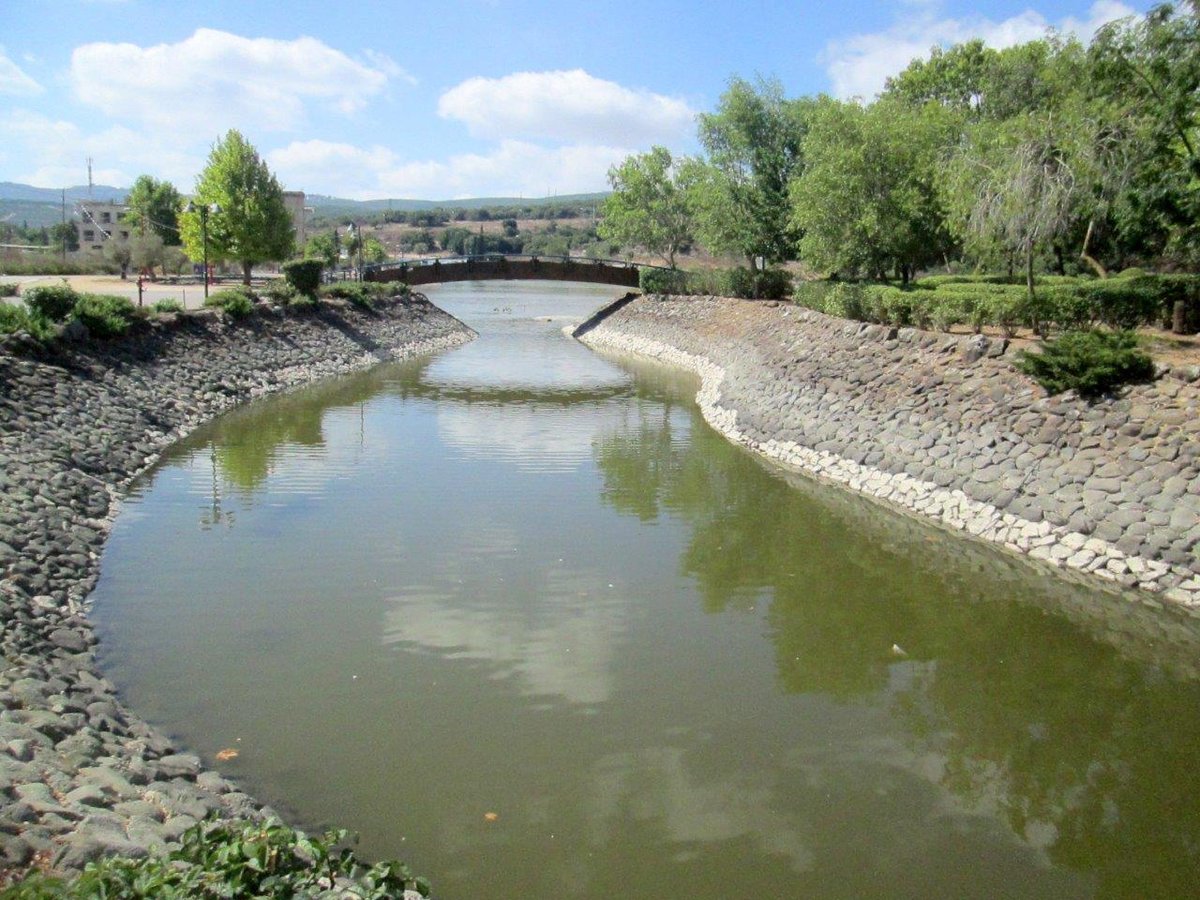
(422, 262)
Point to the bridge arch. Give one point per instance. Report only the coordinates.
(494, 267)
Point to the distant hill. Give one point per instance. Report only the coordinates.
(335, 206)
(11, 190)
(23, 203)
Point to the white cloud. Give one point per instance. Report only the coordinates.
(567, 106)
(13, 79)
(513, 168)
(215, 75)
(859, 66)
(58, 151)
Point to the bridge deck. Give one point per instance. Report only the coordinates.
(489, 268)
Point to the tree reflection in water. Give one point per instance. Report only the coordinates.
(1055, 709)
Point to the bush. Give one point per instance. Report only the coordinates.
(662, 281)
(1091, 362)
(303, 274)
(281, 291)
(774, 284)
(812, 294)
(51, 303)
(235, 860)
(166, 306)
(8, 289)
(350, 291)
(105, 315)
(846, 299)
(234, 302)
(13, 318)
(1127, 302)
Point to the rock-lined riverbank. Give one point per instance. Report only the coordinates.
(80, 775)
(945, 427)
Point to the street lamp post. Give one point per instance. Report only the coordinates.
(204, 210)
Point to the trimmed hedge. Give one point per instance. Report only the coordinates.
(1126, 301)
(303, 274)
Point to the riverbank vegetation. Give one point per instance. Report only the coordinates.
(1049, 185)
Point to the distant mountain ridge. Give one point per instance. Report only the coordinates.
(35, 206)
(11, 190)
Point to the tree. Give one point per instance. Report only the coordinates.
(648, 207)
(64, 236)
(1148, 68)
(739, 194)
(252, 223)
(373, 250)
(119, 254)
(867, 201)
(146, 252)
(1015, 185)
(154, 209)
(326, 247)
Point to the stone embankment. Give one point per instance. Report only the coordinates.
(81, 775)
(945, 427)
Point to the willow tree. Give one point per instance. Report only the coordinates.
(1015, 186)
(249, 222)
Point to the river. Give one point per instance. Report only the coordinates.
(517, 616)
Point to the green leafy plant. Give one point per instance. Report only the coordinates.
(8, 289)
(232, 860)
(51, 303)
(105, 315)
(304, 275)
(1093, 363)
(662, 281)
(234, 303)
(166, 306)
(13, 318)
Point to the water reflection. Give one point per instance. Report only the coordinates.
(1084, 747)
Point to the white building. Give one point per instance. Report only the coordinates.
(100, 223)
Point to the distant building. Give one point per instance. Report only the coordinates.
(99, 223)
(294, 201)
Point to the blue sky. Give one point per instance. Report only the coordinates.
(443, 98)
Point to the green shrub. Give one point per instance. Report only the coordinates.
(51, 303)
(233, 860)
(846, 299)
(774, 284)
(8, 289)
(662, 281)
(1127, 302)
(303, 274)
(351, 291)
(1091, 362)
(166, 306)
(300, 301)
(13, 318)
(232, 302)
(812, 294)
(281, 291)
(105, 315)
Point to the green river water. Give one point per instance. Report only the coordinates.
(517, 616)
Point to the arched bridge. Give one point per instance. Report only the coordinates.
(497, 267)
